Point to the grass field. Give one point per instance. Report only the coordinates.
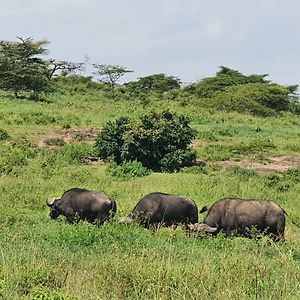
(46, 259)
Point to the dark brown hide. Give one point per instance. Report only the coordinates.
(81, 204)
(165, 209)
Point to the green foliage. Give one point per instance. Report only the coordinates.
(242, 173)
(48, 258)
(256, 99)
(157, 83)
(127, 170)
(220, 151)
(3, 135)
(76, 153)
(230, 90)
(42, 294)
(110, 74)
(158, 140)
(194, 170)
(293, 175)
(110, 140)
(226, 77)
(12, 157)
(283, 182)
(174, 160)
(21, 68)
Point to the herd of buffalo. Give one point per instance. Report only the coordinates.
(230, 215)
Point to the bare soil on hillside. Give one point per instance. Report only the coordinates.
(59, 137)
(277, 164)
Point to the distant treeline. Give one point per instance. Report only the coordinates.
(25, 74)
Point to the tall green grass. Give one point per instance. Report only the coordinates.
(42, 258)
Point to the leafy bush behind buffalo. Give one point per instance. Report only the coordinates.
(127, 170)
(158, 140)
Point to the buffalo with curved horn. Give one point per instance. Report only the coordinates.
(240, 217)
(82, 204)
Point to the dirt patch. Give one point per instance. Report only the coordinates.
(60, 137)
(277, 164)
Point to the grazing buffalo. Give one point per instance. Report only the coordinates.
(237, 216)
(164, 209)
(83, 204)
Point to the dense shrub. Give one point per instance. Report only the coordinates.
(226, 77)
(158, 140)
(231, 90)
(256, 99)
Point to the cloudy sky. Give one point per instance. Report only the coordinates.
(189, 39)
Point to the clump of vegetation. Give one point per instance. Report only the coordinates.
(194, 170)
(3, 135)
(76, 153)
(293, 175)
(243, 173)
(15, 156)
(127, 170)
(156, 84)
(230, 90)
(55, 142)
(159, 141)
(42, 294)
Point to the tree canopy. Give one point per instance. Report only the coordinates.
(22, 68)
(158, 83)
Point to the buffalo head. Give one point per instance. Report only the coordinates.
(54, 212)
(200, 228)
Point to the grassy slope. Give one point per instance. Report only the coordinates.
(40, 256)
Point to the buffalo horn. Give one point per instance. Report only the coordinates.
(208, 228)
(50, 201)
(200, 227)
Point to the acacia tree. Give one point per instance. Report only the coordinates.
(22, 68)
(110, 74)
(64, 66)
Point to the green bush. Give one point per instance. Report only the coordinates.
(226, 77)
(156, 83)
(77, 153)
(41, 294)
(127, 170)
(292, 175)
(158, 140)
(243, 173)
(15, 156)
(256, 99)
(194, 170)
(3, 135)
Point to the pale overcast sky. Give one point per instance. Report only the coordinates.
(189, 39)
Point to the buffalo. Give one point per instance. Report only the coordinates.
(242, 217)
(164, 209)
(81, 204)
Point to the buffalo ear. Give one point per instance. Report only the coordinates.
(203, 209)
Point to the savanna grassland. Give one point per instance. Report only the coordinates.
(50, 259)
